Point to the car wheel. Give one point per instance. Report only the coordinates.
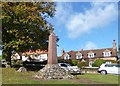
(103, 72)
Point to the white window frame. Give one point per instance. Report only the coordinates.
(91, 55)
(78, 56)
(66, 56)
(107, 54)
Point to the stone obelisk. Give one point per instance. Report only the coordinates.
(52, 50)
(52, 70)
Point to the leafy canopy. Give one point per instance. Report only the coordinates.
(25, 26)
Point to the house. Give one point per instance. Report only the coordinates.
(92, 55)
(40, 55)
(36, 55)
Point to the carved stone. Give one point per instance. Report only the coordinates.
(52, 70)
(52, 50)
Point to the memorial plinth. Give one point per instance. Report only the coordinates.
(52, 70)
(52, 50)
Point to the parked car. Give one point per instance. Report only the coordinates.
(70, 68)
(34, 65)
(109, 69)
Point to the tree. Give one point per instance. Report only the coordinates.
(24, 26)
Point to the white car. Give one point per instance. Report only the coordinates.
(70, 68)
(109, 69)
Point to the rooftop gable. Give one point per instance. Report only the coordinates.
(97, 52)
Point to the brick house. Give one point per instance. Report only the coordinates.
(38, 55)
(92, 55)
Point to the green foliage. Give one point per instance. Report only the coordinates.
(82, 64)
(16, 63)
(25, 26)
(0, 57)
(60, 60)
(68, 61)
(74, 62)
(98, 62)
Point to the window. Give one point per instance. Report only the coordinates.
(108, 62)
(94, 53)
(66, 56)
(63, 65)
(91, 55)
(78, 56)
(106, 54)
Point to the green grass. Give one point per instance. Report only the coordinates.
(98, 78)
(10, 76)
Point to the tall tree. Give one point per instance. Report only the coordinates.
(24, 26)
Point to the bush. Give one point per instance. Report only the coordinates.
(60, 60)
(68, 61)
(82, 64)
(74, 62)
(16, 63)
(98, 62)
(0, 57)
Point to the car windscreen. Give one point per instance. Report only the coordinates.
(63, 65)
(112, 65)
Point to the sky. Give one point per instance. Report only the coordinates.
(85, 25)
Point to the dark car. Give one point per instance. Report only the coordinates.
(34, 65)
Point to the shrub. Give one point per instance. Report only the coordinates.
(98, 62)
(0, 57)
(74, 62)
(68, 61)
(60, 60)
(16, 63)
(82, 64)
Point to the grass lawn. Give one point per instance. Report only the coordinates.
(10, 76)
(98, 78)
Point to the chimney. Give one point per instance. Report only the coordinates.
(114, 44)
(63, 51)
(81, 49)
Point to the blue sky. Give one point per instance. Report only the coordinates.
(85, 25)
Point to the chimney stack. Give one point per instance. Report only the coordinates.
(63, 51)
(114, 44)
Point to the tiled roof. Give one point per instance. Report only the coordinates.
(98, 53)
(36, 52)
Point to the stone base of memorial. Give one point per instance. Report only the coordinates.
(53, 71)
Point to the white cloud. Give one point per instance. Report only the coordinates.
(63, 10)
(90, 45)
(77, 24)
